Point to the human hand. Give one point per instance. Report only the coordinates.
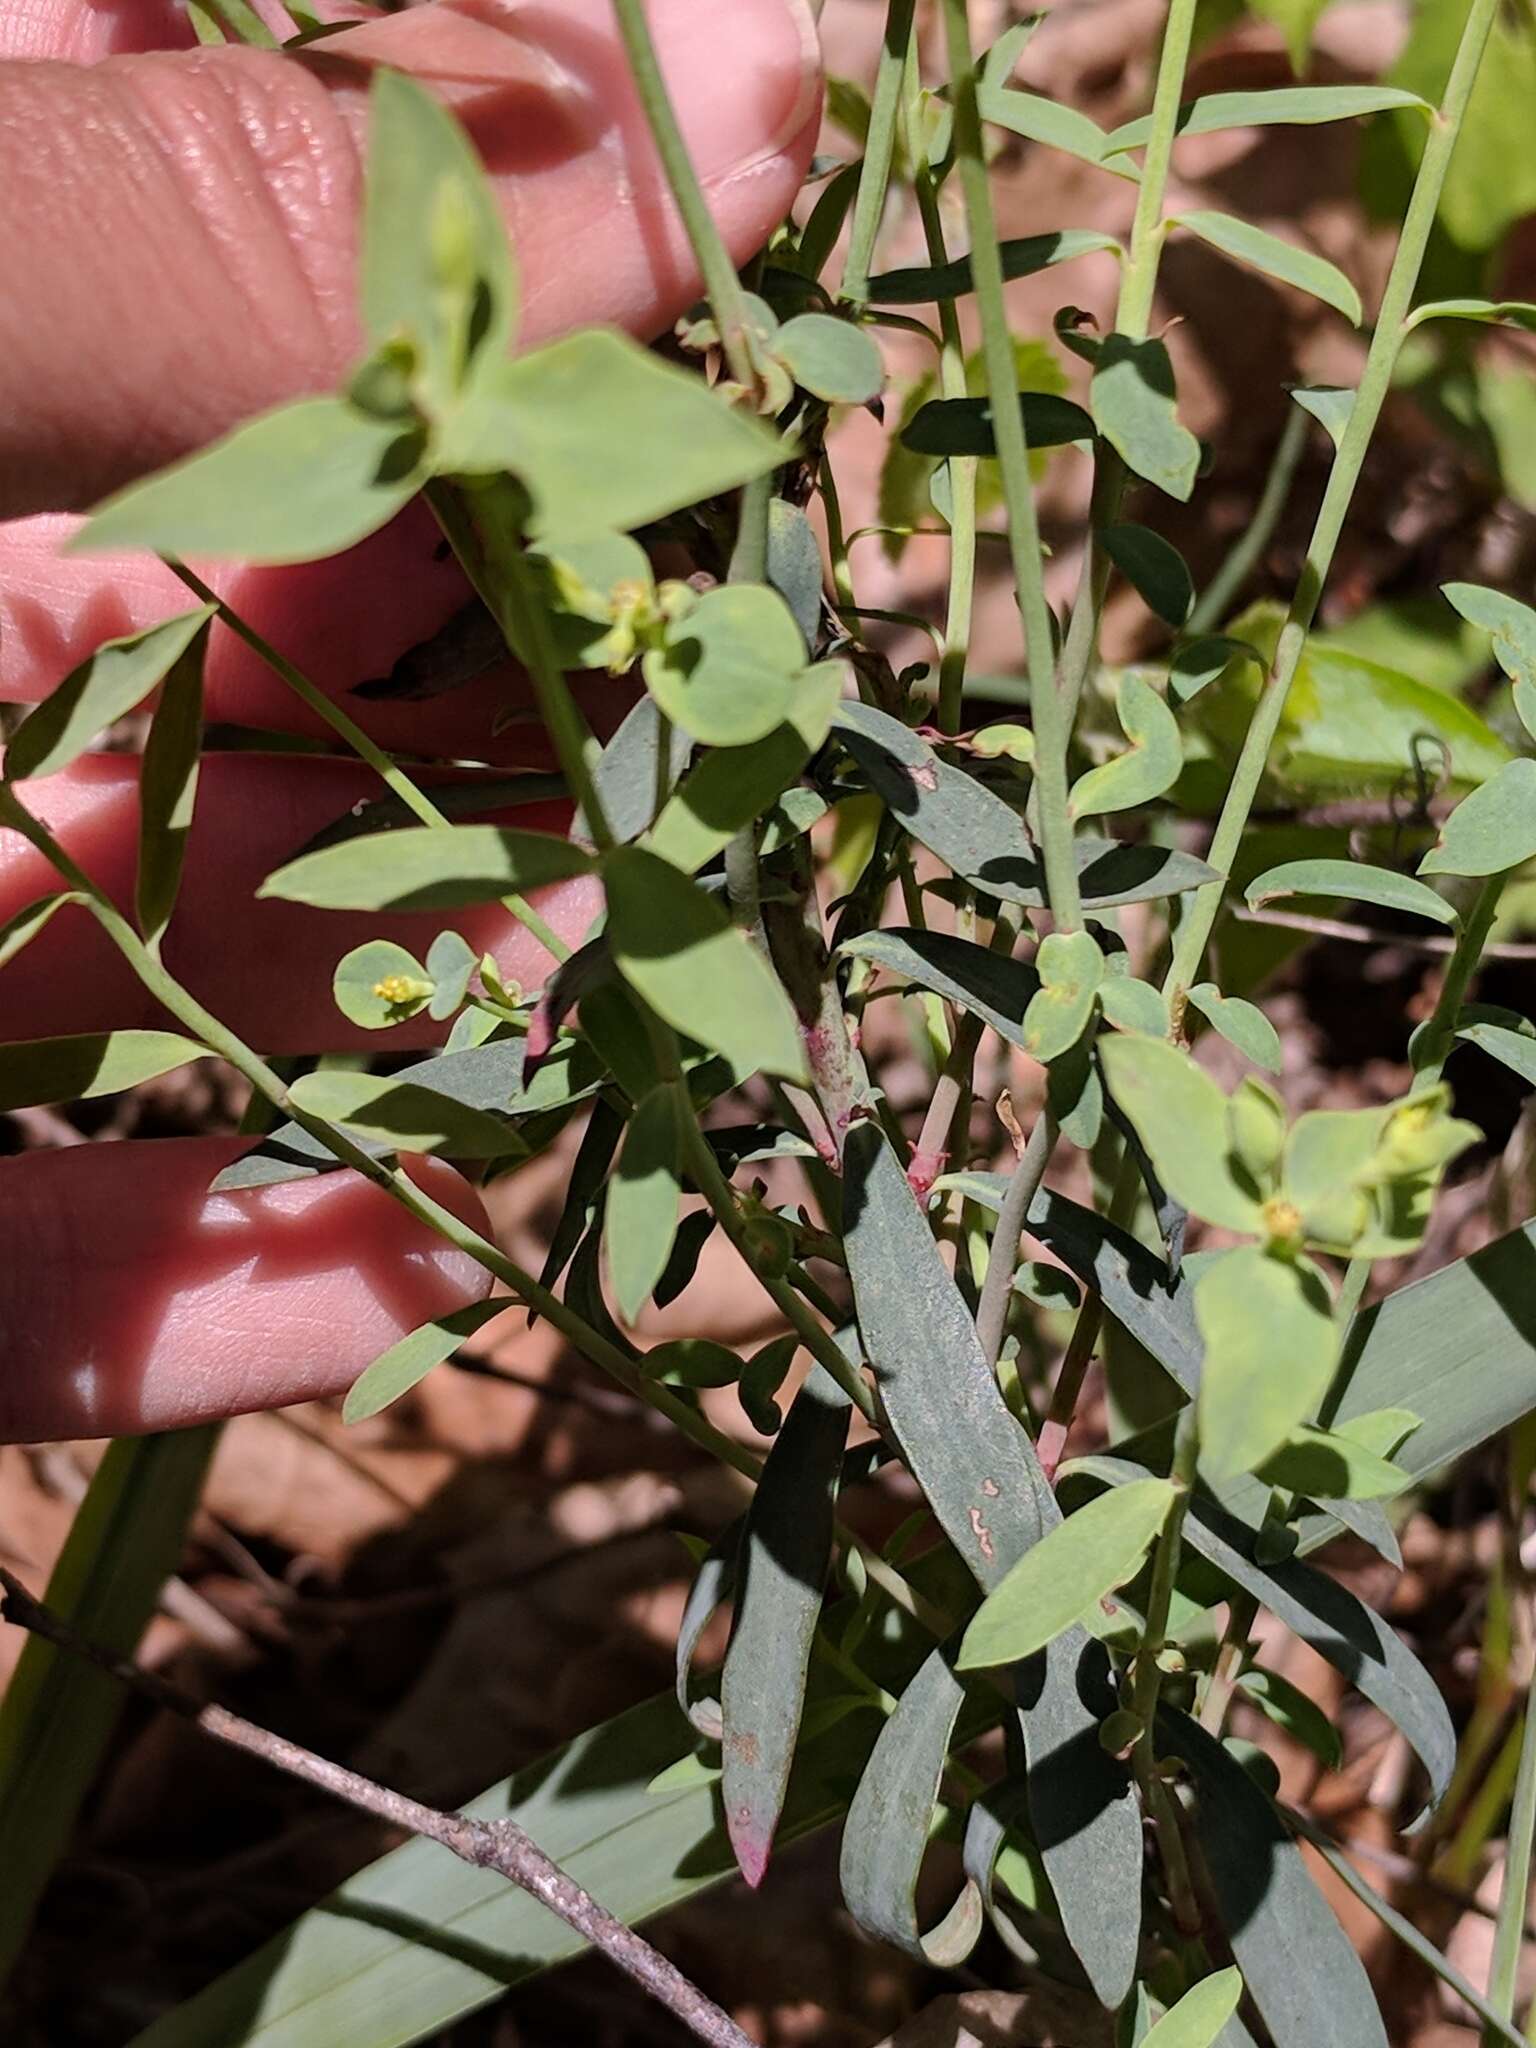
(179, 239)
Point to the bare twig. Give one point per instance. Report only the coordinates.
(497, 1845)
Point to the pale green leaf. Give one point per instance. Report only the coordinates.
(168, 789)
(1284, 106)
(1241, 1023)
(640, 1221)
(304, 481)
(450, 964)
(1329, 404)
(1041, 120)
(1245, 243)
(404, 1115)
(1355, 881)
(1149, 767)
(1154, 567)
(105, 687)
(728, 669)
(1515, 1049)
(1070, 967)
(1201, 2015)
(605, 436)
(1134, 407)
(1488, 312)
(1327, 1465)
(1201, 661)
(1512, 624)
(680, 953)
(395, 1371)
(73, 1069)
(1491, 830)
(379, 984)
(831, 358)
(427, 867)
(19, 931)
(1066, 1574)
(1180, 1116)
(1295, 1711)
(1270, 1350)
(1134, 1006)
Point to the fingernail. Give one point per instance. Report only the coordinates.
(745, 77)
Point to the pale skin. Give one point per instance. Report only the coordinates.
(178, 241)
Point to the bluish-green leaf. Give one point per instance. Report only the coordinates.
(1356, 881)
(451, 964)
(380, 984)
(1270, 1350)
(605, 436)
(831, 358)
(405, 1364)
(407, 1115)
(1295, 1711)
(1154, 567)
(1022, 257)
(1151, 763)
(1241, 1023)
(1492, 830)
(679, 952)
(1512, 625)
(305, 481)
(1134, 407)
(640, 1222)
(72, 1069)
(780, 1575)
(106, 686)
(427, 867)
(1262, 251)
(1066, 1574)
(1132, 1005)
(1180, 1115)
(992, 985)
(1329, 404)
(1279, 106)
(728, 671)
(1041, 120)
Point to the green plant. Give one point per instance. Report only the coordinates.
(1116, 1833)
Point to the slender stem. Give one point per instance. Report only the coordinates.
(1242, 1612)
(1216, 599)
(721, 283)
(879, 149)
(498, 1845)
(1444, 129)
(1018, 487)
(1147, 1678)
(1057, 1426)
(992, 1310)
(1509, 1930)
(749, 564)
(837, 546)
(1139, 282)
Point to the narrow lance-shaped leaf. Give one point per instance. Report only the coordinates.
(292, 486)
(1134, 408)
(92, 1063)
(18, 932)
(425, 867)
(1354, 880)
(963, 426)
(1066, 1574)
(1254, 246)
(1299, 1968)
(1041, 120)
(890, 1819)
(406, 1363)
(1280, 106)
(641, 1218)
(713, 1584)
(780, 1576)
(991, 985)
(105, 687)
(680, 953)
(1492, 830)
(1151, 763)
(1488, 312)
(1023, 257)
(1154, 567)
(404, 1115)
(1514, 1048)
(168, 789)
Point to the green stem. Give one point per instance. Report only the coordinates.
(1018, 487)
(1509, 1930)
(1217, 597)
(1139, 281)
(879, 149)
(992, 1309)
(723, 286)
(1445, 127)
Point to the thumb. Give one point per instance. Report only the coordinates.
(186, 222)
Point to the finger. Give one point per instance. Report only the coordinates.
(341, 622)
(187, 223)
(264, 967)
(134, 1300)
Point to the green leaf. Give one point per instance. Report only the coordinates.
(680, 953)
(1152, 566)
(1355, 881)
(436, 263)
(1201, 661)
(18, 932)
(734, 785)
(831, 358)
(1489, 312)
(379, 984)
(451, 963)
(1513, 1049)
(1070, 967)
(1298, 1967)
(780, 1575)
(794, 566)
(1329, 404)
(1241, 1024)
(714, 1582)
(1200, 2017)
(1134, 1006)
(405, 1364)
(1133, 403)
(963, 426)
(604, 435)
(1148, 768)
(1492, 830)
(693, 1362)
(630, 770)
(105, 687)
(992, 985)
(1328, 1466)
(1180, 1115)
(728, 670)
(34, 1070)
(641, 1217)
(1066, 1574)
(404, 1115)
(1245, 243)
(928, 283)
(1282, 106)
(58, 1711)
(1270, 1350)
(1512, 624)
(294, 485)
(1294, 1711)
(890, 1821)
(427, 867)
(1042, 120)
(168, 789)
